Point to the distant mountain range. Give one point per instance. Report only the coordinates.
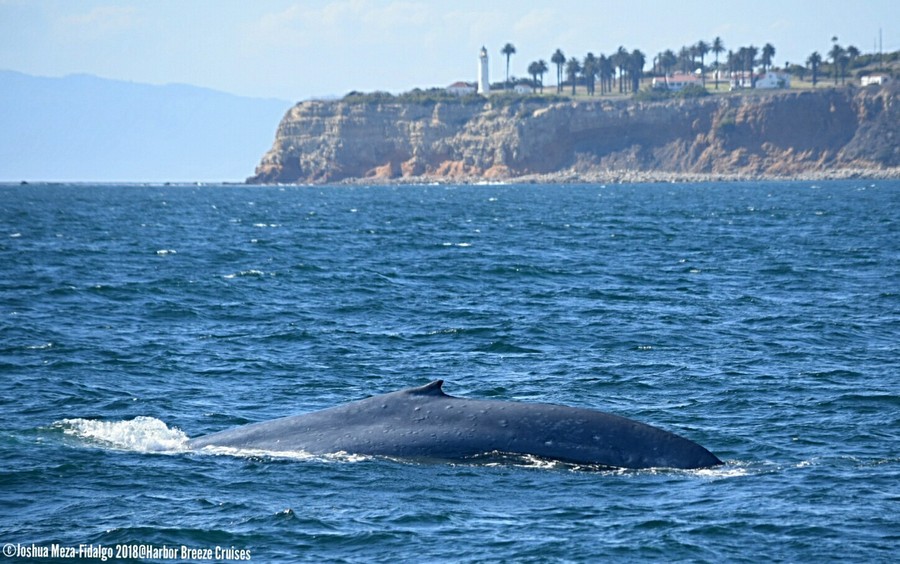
(85, 128)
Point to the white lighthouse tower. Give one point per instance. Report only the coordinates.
(484, 82)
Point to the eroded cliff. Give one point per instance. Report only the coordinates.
(772, 134)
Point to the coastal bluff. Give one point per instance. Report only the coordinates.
(774, 135)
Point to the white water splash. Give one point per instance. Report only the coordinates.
(283, 455)
(727, 470)
(151, 435)
(141, 434)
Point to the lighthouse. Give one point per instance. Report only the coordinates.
(484, 83)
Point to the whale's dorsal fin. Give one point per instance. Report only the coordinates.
(432, 389)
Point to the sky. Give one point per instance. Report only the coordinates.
(296, 50)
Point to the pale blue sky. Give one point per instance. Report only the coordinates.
(295, 50)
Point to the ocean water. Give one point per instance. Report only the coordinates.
(761, 320)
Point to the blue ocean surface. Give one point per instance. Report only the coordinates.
(761, 320)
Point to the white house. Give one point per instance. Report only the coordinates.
(461, 88)
(523, 89)
(873, 79)
(772, 79)
(676, 82)
(766, 81)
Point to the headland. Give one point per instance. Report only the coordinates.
(816, 134)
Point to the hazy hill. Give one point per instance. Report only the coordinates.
(84, 128)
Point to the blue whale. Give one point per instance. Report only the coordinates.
(426, 423)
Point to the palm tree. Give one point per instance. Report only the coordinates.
(508, 50)
(534, 70)
(814, 60)
(636, 60)
(750, 61)
(852, 54)
(542, 66)
(684, 60)
(589, 69)
(573, 67)
(620, 59)
(717, 47)
(668, 60)
(768, 51)
(702, 49)
(742, 60)
(836, 54)
(559, 60)
(606, 73)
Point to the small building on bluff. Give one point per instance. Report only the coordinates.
(875, 79)
(768, 80)
(676, 82)
(461, 88)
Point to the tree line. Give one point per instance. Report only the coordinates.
(841, 59)
(623, 70)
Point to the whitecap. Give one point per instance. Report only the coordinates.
(164, 252)
(251, 272)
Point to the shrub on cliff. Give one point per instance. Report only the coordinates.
(658, 94)
(433, 96)
(416, 96)
(506, 99)
(377, 97)
(693, 91)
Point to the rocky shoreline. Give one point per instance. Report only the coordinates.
(631, 177)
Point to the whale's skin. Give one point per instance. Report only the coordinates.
(426, 423)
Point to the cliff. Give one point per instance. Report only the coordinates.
(780, 134)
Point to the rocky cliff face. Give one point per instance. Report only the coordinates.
(772, 134)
